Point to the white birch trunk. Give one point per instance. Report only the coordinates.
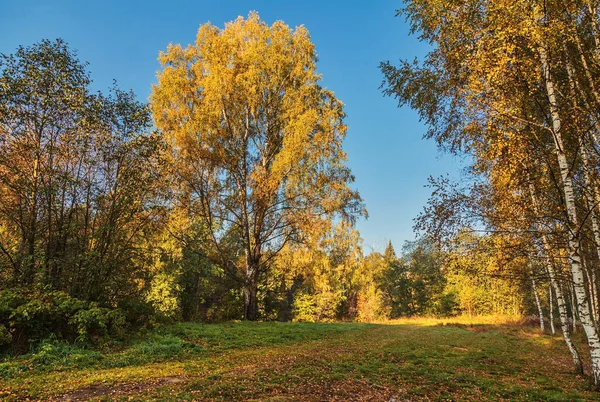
(560, 300)
(590, 284)
(551, 308)
(595, 296)
(573, 308)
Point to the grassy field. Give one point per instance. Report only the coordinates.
(407, 360)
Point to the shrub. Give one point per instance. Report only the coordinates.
(305, 308)
(5, 336)
(97, 321)
(27, 317)
(137, 313)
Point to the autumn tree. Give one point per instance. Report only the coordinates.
(256, 140)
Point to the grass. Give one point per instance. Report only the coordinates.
(420, 359)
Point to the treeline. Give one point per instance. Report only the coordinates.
(226, 197)
(515, 87)
(80, 193)
(115, 213)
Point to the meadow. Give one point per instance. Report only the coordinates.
(403, 360)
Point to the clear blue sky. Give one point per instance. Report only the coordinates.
(391, 161)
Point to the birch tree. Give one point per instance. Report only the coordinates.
(494, 86)
(256, 140)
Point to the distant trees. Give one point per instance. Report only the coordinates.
(257, 143)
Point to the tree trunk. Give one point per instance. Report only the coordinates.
(537, 298)
(591, 280)
(250, 303)
(573, 308)
(30, 264)
(551, 310)
(250, 292)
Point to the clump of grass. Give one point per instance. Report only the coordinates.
(155, 348)
(51, 355)
(497, 319)
(56, 355)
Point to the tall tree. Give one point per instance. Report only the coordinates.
(256, 140)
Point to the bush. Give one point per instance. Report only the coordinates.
(305, 308)
(27, 317)
(97, 321)
(321, 307)
(137, 313)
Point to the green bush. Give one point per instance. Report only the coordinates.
(97, 321)
(305, 308)
(27, 317)
(137, 313)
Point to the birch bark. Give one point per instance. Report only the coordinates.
(560, 300)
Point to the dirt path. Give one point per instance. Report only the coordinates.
(95, 391)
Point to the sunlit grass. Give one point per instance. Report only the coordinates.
(461, 319)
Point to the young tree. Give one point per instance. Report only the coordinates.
(256, 140)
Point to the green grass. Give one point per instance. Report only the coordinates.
(404, 360)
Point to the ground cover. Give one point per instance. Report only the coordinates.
(405, 360)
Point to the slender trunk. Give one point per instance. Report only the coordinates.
(594, 296)
(537, 298)
(573, 308)
(590, 287)
(573, 224)
(551, 310)
(560, 300)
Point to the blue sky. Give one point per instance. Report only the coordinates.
(386, 152)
